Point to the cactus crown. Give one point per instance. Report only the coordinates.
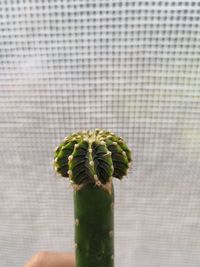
(92, 157)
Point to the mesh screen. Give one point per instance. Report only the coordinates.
(132, 67)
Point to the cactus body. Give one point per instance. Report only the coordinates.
(94, 227)
(90, 159)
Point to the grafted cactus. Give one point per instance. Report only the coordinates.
(90, 159)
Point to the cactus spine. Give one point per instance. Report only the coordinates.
(90, 159)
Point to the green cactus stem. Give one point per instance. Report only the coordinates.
(90, 159)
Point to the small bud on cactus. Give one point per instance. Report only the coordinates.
(90, 159)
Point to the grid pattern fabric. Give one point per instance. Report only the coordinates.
(132, 67)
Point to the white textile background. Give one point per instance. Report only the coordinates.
(132, 67)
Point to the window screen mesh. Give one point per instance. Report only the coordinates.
(132, 67)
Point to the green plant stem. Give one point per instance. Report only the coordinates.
(94, 226)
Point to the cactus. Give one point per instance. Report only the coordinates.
(90, 159)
